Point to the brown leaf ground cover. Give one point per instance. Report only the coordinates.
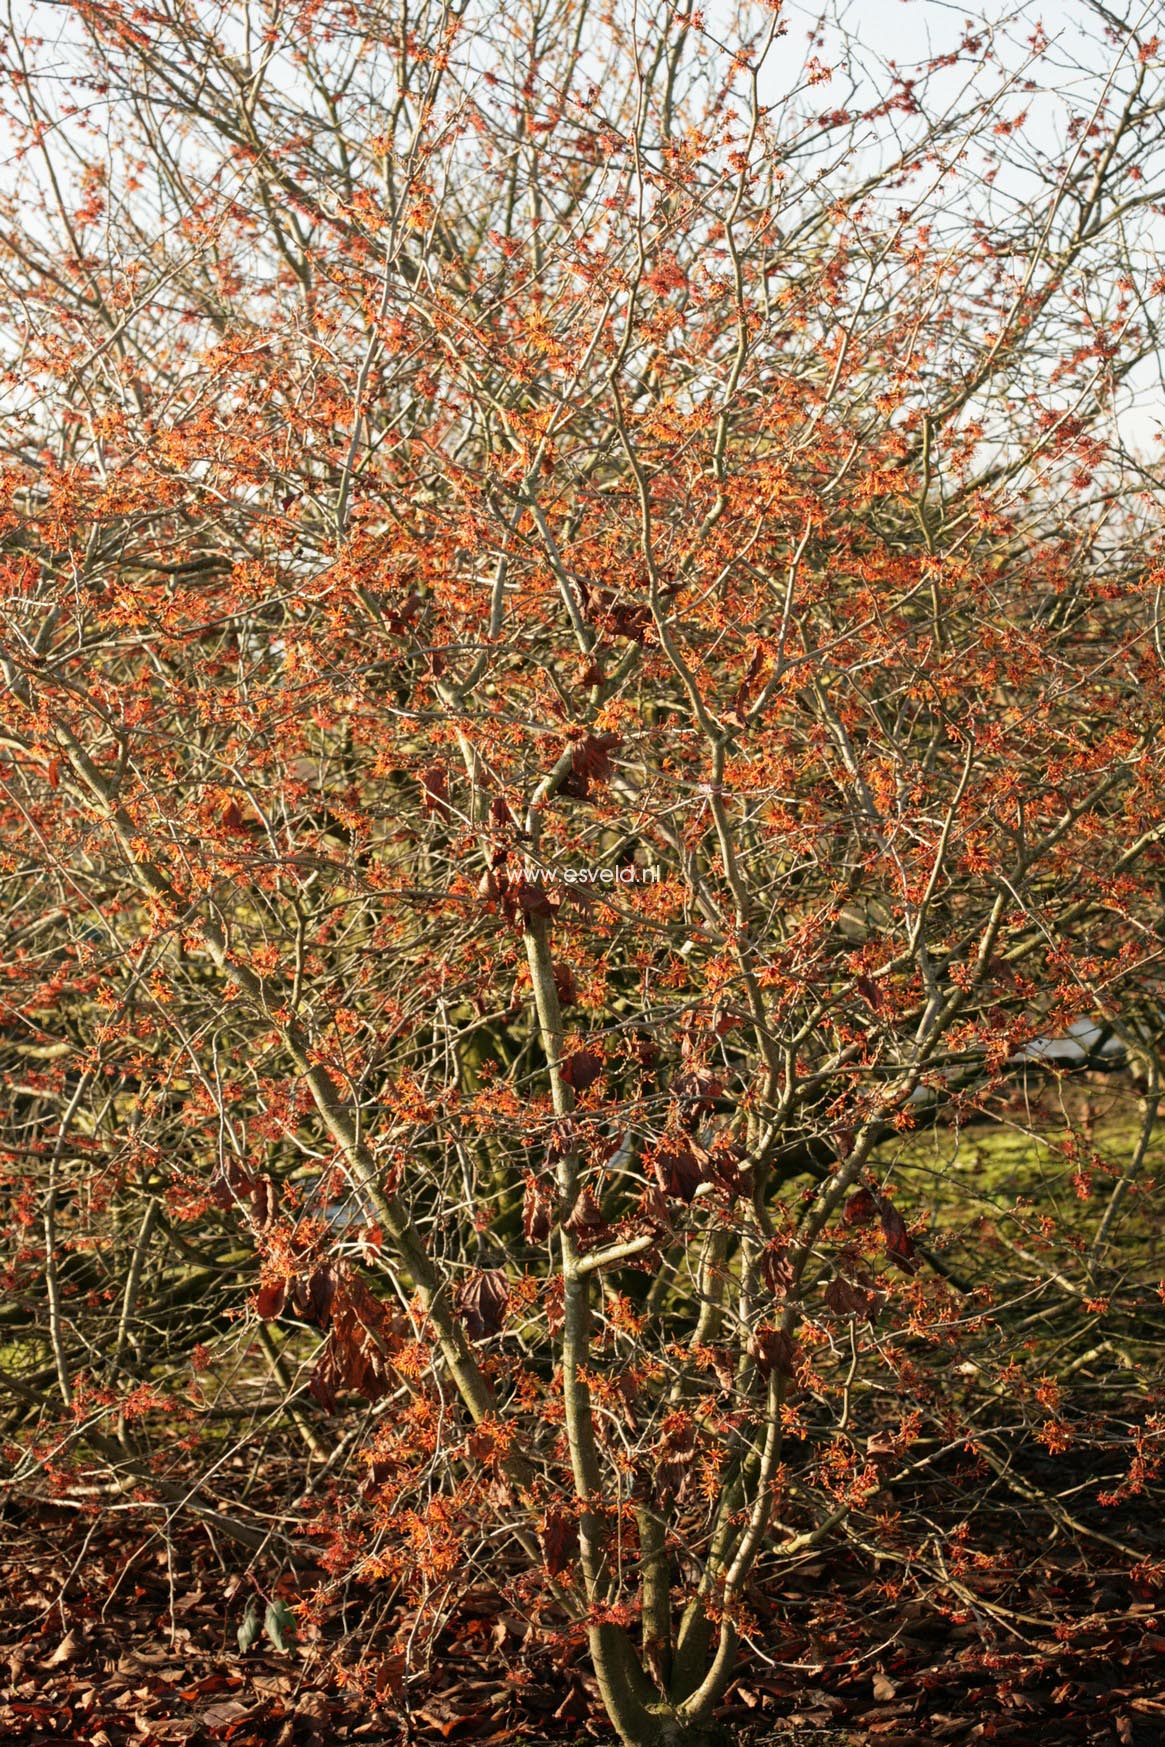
(112, 1638)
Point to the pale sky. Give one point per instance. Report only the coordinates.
(911, 32)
